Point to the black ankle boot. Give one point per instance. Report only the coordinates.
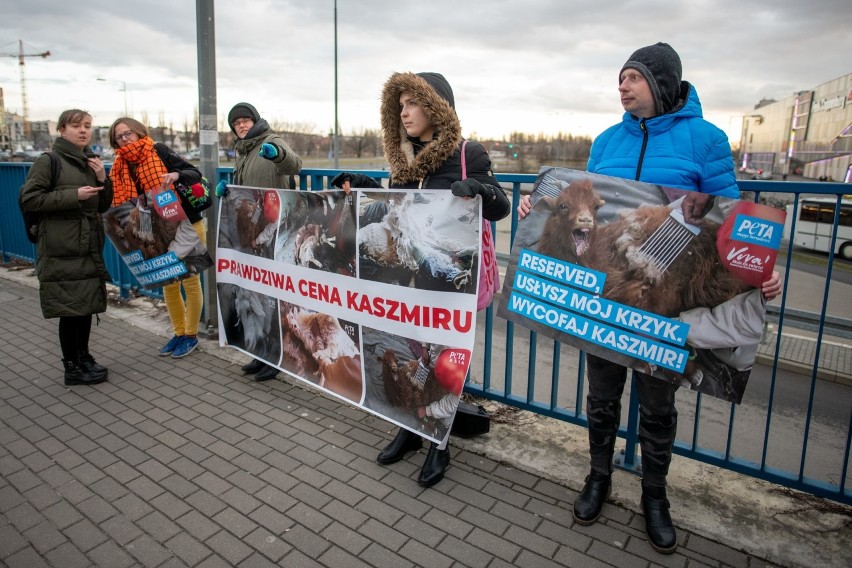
(434, 467)
(589, 503)
(89, 365)
(266, 374)
(255, 366)
(76, 375)
(404, 442)
(658, 523)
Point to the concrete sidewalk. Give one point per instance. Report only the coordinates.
(188, 463)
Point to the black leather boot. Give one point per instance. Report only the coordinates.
(404, 442)
(658, 523)
(255, 366)
(434, 467)
(589, 503)
(89, 365)
(266, 374)
(76, 375)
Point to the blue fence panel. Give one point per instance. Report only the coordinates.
(537, 374)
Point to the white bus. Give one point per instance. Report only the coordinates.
(814, 224)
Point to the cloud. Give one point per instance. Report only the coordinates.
(540, 65)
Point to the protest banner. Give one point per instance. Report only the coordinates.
(611, 267)
(370, 296)
(156, 240)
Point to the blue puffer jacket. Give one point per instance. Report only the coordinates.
(678, 149)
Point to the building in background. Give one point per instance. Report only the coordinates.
(808, 133)
(42, 133)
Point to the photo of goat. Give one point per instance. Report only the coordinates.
(632, 232)
(132, 227)
(321, 349)
(400, 381)
(318, 231)
(249, 222)
(250, 322)
(403, 239)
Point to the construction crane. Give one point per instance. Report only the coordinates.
(25, 104)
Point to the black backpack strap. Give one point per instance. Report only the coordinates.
(55, 168)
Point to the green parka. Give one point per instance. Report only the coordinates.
(70, 268)
(256, 171)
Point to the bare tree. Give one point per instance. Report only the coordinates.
(363, 141)
(301, 136)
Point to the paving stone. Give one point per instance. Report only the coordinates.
(85, 535)
(62, 515)
(188, 549)
(229, 547)
(121, 529)
(234, 521)
(198, 525)
(158, 526)
(68, 556)
(148, 551)
(26, 558)
(97, 509)
(44, 537)
(381, 557)
(11, 541)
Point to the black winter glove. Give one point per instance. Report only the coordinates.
(471, 188)
(355, 180)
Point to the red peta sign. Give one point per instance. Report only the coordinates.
(747, 241)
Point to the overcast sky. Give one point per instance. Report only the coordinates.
(530, 66)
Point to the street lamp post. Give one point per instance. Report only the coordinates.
(123, 89)
(336, 141)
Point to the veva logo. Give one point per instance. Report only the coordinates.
(757, 231)
(742, 258)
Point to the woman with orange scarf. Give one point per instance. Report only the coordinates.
(141, 165)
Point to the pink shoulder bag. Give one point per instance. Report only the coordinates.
(489, 277)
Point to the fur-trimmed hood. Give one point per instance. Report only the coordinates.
(405, 167)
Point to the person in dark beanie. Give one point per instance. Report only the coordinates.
(662, 139)
(423, 144)
(263, 160)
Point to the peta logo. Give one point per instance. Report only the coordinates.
(755, 230)
(166, 198)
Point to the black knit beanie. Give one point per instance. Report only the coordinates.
(660, 65)
(440, 85)
(242, 110)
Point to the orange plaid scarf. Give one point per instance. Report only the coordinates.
(150, 170)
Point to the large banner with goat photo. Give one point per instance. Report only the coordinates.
(369, 296)
(612, 266)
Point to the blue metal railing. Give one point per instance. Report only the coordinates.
(561, 396)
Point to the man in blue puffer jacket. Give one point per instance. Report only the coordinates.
(662, 139)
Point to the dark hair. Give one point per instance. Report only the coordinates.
(71, 116)
(134, 125)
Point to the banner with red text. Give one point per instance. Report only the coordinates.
(616, 268)
(369, 296)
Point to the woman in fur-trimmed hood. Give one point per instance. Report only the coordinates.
(429, 155)
(423, 145)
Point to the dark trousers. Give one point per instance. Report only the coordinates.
(657, 419)
(74, 334)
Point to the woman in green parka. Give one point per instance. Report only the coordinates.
(71, 271)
